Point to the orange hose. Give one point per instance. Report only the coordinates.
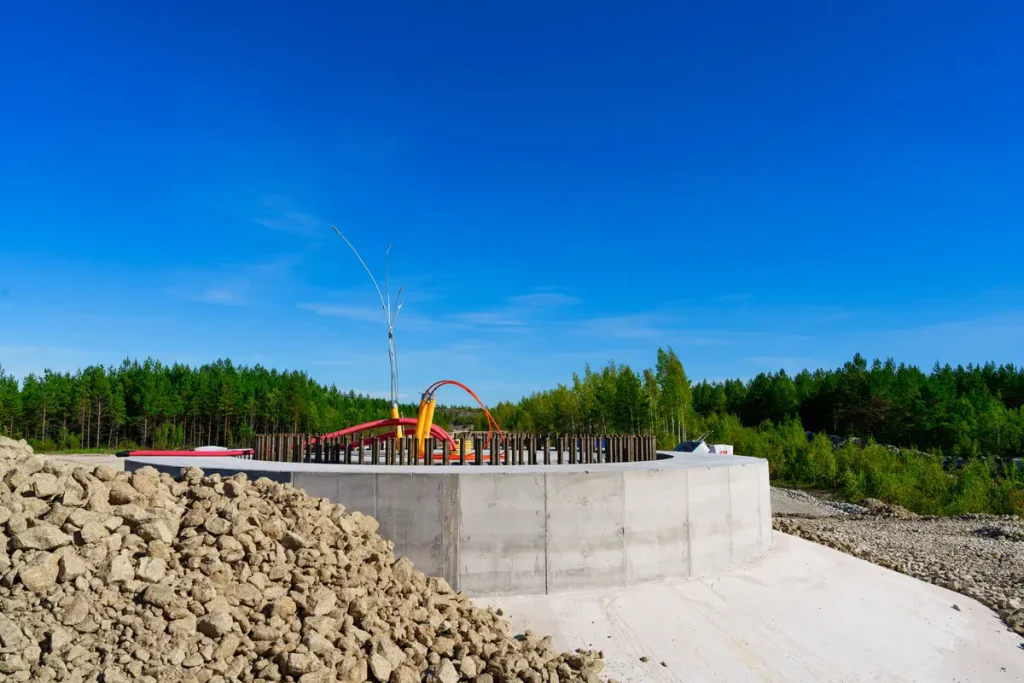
(491, 422)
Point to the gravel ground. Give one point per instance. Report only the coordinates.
(980, 556)
(791, 503)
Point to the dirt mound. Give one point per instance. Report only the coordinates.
(877, 508)
(138, 577)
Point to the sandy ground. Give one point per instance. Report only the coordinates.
(803, 613)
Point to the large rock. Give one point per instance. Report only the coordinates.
(42, 536)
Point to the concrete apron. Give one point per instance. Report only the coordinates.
(543, 529)
(803, 612)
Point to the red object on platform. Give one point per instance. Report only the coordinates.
(230, 453)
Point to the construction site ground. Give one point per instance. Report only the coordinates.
(804, 613)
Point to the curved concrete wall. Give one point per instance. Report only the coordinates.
(545, 529)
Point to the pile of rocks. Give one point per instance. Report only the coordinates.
(9, 448)
(122, 577)
(981, 556)
(873, 506)
(793, 502)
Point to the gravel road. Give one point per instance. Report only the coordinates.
(981, 556)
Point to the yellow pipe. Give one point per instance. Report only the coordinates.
(420, 424)
(427, 421)
(394, 416)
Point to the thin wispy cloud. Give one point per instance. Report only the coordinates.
(235, 294)
(489, 319)
(294, 222)
(520, 312)
(543, 300)
(362, 313)
(221, 295)
(223, 289)
(631, 326)
(278, 213)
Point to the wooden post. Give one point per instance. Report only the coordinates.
(478, 450)
(446, 451)
(462, 452)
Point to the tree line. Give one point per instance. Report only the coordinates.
(970, 415)
(614, 400)
(151, 404)
(962, 412)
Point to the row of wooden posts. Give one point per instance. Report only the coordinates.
(511, 449)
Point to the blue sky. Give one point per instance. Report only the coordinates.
(759, 185)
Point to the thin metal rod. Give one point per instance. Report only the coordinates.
(386, 305)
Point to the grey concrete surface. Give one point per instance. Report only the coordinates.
(546, 528)
(804, 613)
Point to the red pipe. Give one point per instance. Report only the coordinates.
(232, 453)
(435, 431)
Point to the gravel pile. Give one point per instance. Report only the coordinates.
(117, 577)
(791, 502)
(981, 556)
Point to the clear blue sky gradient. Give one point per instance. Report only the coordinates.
(759, 185)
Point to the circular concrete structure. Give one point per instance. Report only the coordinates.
(545, 528)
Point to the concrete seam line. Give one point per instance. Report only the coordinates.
(760, 504)
(547, 566)
(622, 529)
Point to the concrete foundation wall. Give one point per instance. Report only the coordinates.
(548, 529)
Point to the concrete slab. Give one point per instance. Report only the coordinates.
(744, 513)
(709, 526)
(657, 525)
(512, 561)
(802, 613)
(355, 491)
(585, 546)
(410, 512)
